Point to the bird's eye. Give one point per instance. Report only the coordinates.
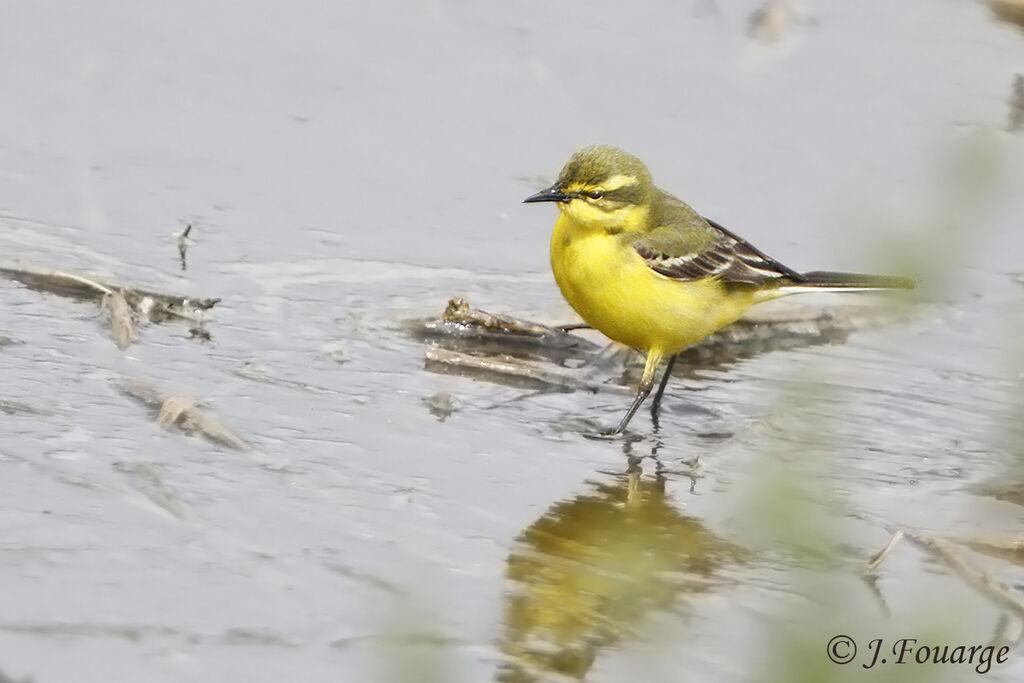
(595, 194)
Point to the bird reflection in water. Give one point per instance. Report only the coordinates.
(584, 575)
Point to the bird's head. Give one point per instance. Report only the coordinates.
(602, 187)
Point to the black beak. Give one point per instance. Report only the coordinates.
(551, 194)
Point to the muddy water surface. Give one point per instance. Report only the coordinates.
(349, 167)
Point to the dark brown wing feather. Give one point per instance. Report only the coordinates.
(687, 246)
(755, 259)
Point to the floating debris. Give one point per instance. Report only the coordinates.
(14, 407)
(504, 349)
(365, 577)
(261, 372)
(505, 369)
(1010, 549)
(125, 306)
(469, 326)
(770, 22)
(181, 411)
(423, 638)
(985, 583)
(335, 351)
(238, 636)
(441, 405)
(184, 243)
(146, 477)
(199, 333)
(158, 306)
(121, 318)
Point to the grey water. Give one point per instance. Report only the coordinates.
(350, 166)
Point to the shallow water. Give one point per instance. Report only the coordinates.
(350, 167)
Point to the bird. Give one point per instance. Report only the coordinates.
(650, 272)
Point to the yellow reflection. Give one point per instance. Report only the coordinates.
(585, 574)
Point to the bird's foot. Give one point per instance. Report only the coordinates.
(609, 434)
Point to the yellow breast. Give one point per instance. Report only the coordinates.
(613, 290)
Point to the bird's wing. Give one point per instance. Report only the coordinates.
(687, 246)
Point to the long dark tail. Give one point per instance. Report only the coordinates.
(824, 280)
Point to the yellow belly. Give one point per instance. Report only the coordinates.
(615, 292)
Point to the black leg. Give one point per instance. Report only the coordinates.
(642, 392)
(656, 403)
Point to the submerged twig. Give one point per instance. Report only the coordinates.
(58, 282)
(981, 580)
(507, 368)
(124, 305)
(146, 478)
(871, 581)
(157, 306)
(461, 322)
(503, 347)
(15, 407)
(258, 372)
(876, 560)
(1009, 631)
(1010, 549)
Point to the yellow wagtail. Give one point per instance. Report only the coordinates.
(650, 272)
